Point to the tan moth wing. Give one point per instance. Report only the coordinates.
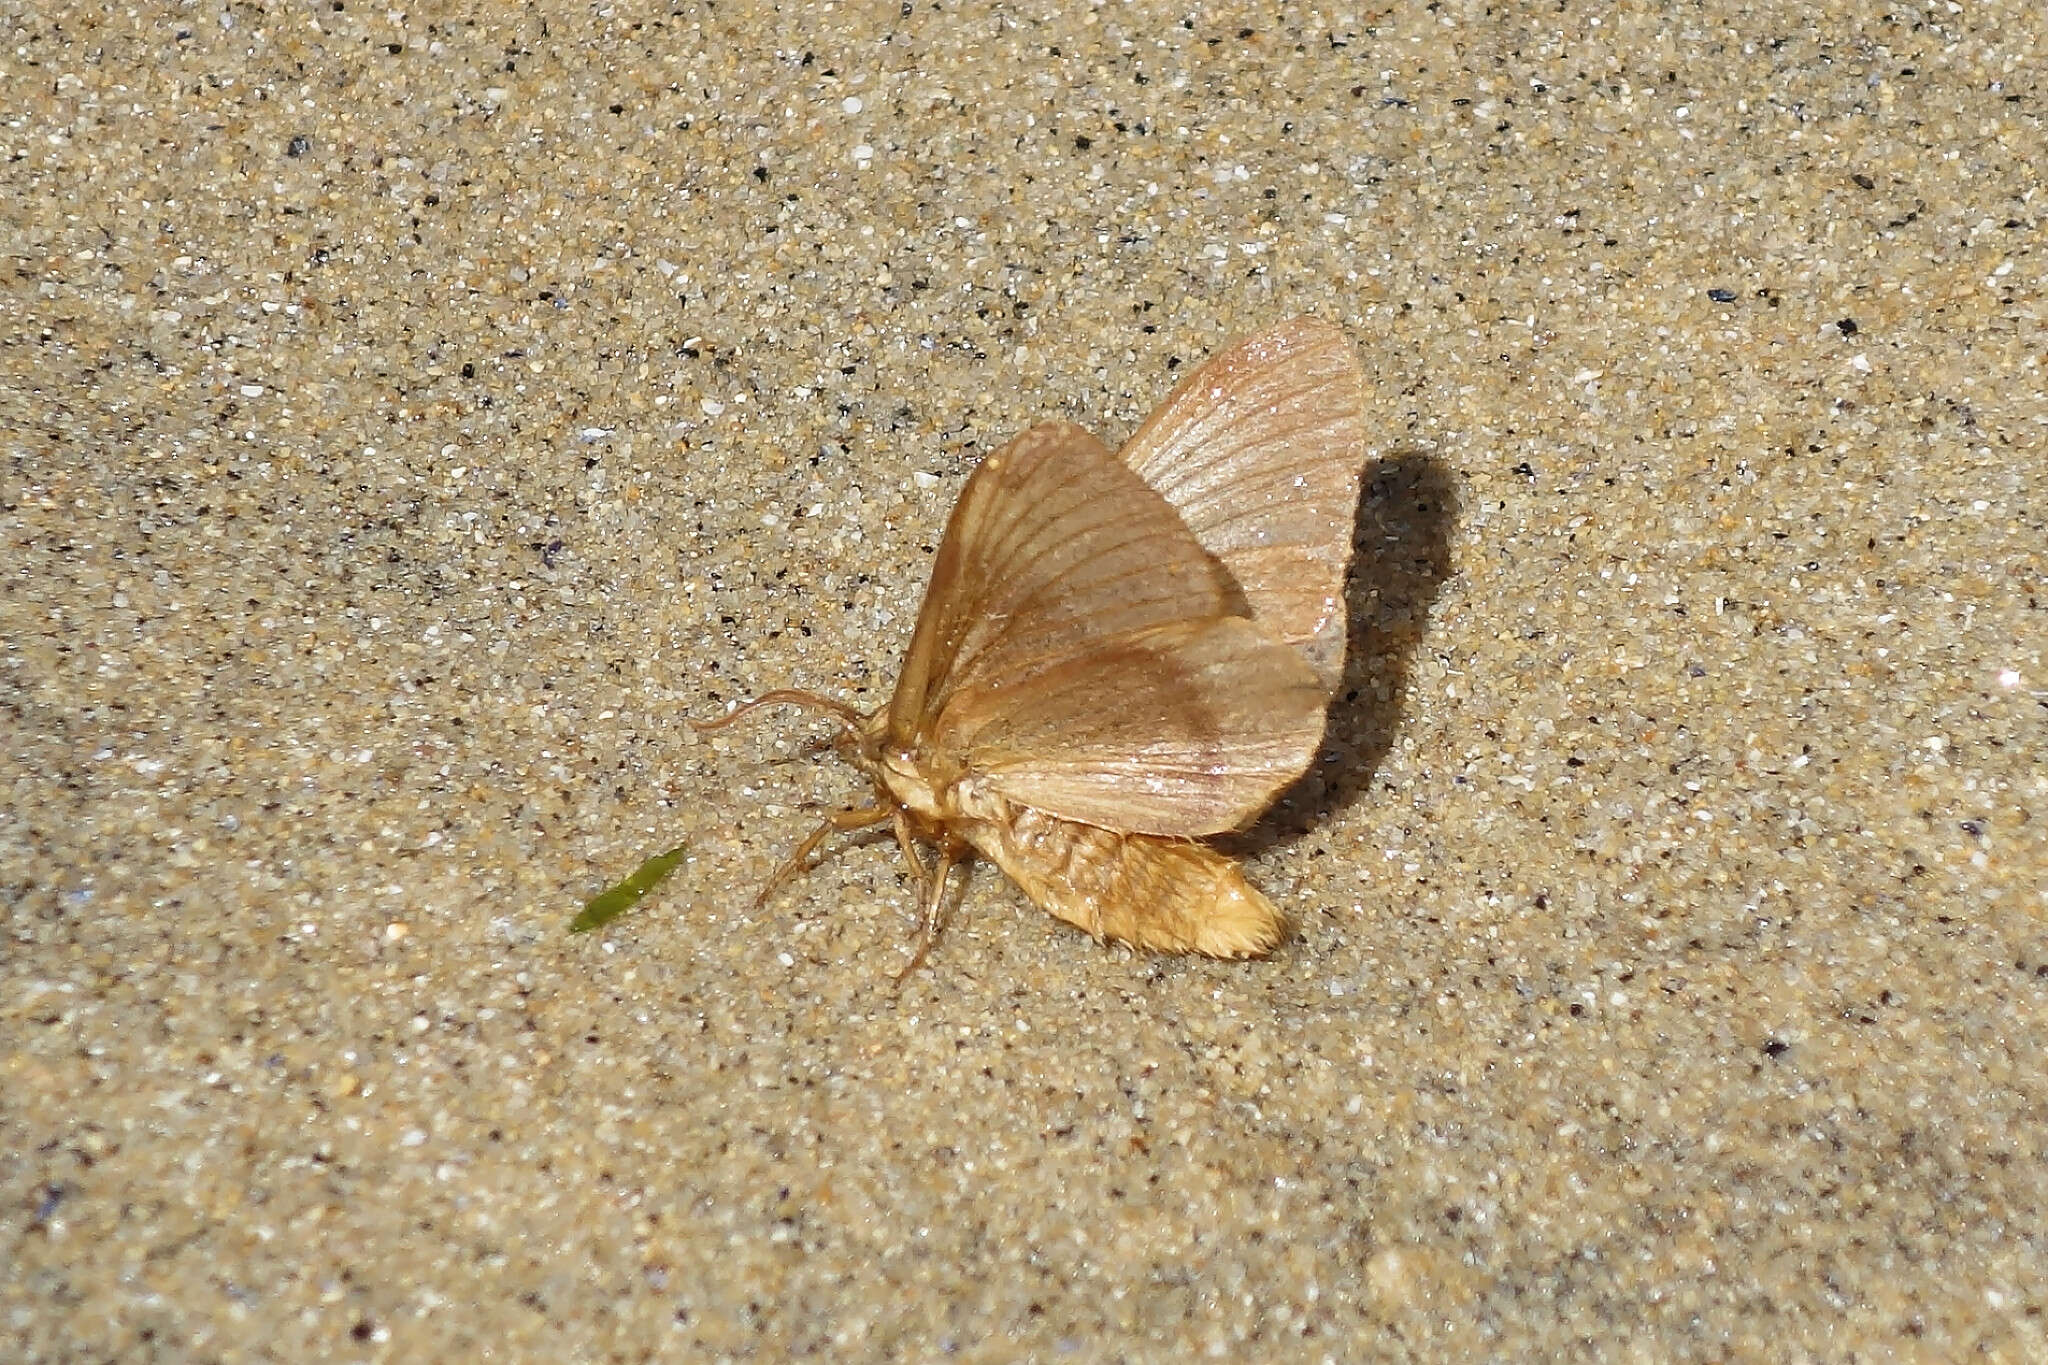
(1185, 729)
(1080, 653)
(1261, 450)
(1053, 547)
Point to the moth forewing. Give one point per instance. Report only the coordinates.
(1261, 450)
(1053, 547)
(1186, 729)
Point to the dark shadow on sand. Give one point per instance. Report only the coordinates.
(1407, 505)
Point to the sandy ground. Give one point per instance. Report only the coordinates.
(409, 419)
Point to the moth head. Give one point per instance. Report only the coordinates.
(907, 781)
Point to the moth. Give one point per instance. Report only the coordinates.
(1121, 653)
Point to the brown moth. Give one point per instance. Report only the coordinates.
(1121, 653)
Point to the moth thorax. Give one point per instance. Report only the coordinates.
(908, 783)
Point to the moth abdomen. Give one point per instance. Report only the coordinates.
(1169, 895)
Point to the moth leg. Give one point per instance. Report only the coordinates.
(810, 748)
(934, 906)
(906, 839)
(837, 822)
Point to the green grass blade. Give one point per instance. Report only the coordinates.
(616, 899)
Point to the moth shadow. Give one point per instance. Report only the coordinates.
(1407, 505)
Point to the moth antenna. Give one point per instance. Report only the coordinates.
(786, 696)
(836, 822)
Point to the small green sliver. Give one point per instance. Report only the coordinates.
(616, 899)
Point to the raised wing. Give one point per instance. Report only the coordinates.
(1185, 729)
(1261, 450)
(1054, 548)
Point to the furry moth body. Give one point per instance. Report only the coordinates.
(1121, 653)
